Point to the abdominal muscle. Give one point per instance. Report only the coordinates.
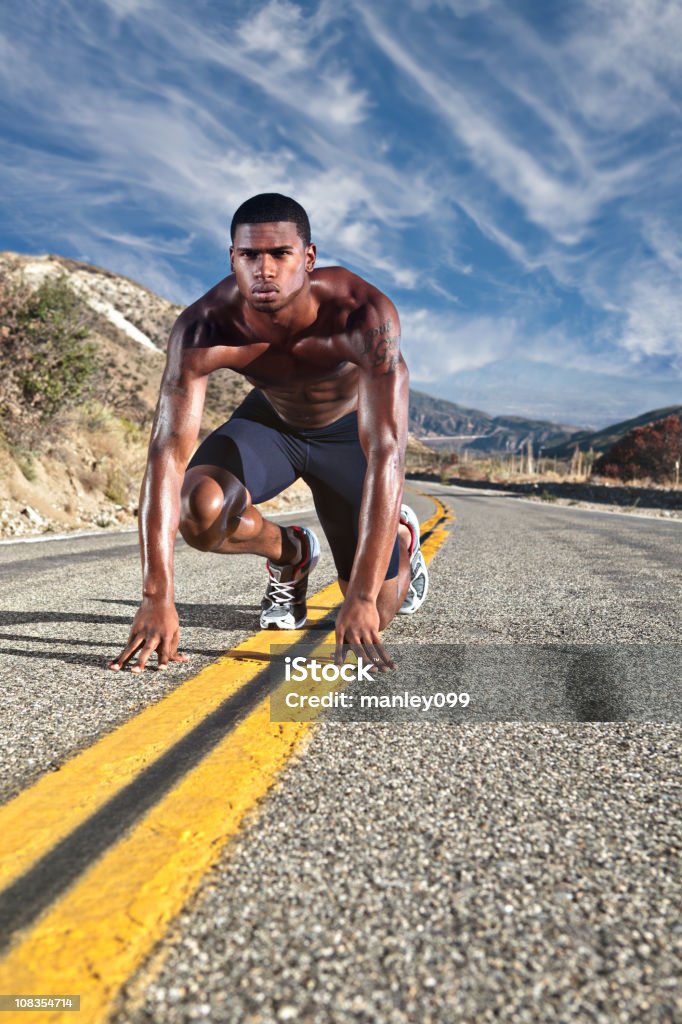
(313, 403)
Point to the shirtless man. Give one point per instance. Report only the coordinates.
(329, 404)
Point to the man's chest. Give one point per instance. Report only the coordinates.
(272, 364)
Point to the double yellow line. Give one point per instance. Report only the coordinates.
(96, 928)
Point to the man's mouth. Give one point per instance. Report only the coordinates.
(265, 289)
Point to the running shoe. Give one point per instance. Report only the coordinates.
(284, 605)
(419, 574)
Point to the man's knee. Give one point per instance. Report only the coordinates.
(212, 501)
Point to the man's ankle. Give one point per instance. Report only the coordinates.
(292, 550)
(405, 537)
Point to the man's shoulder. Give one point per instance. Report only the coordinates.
(341, 287)
(216, 306)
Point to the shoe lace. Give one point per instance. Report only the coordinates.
(281, 593)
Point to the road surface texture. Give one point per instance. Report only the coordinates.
(418, 871)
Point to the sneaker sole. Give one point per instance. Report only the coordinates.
(413, 602)
(281, 624)
(418, 570)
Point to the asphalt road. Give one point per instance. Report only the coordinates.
(414, 871)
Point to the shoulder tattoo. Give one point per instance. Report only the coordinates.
(381, 347)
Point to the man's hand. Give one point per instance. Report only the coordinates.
(155, 628)
(357, 629)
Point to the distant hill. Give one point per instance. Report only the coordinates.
(434, 420)
(602, 440)
(560, 394)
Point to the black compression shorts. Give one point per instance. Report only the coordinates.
(267, 455)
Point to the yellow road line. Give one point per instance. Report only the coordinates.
(39, 817)
(33, 822)
(50, 809)
(95, 936)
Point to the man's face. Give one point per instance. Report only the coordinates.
(271, 263)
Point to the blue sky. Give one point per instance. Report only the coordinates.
(509, 172)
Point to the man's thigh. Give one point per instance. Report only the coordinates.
(336, 478)
(263, 459)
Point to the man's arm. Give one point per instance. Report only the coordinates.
(382, 423)
(174, 434)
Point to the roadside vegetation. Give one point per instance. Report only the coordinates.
(648, 456)
(653, 452)
(61, 446)
(47, 365)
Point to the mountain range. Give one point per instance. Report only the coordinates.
(544, 391)
(602, 440)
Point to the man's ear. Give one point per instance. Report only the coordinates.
(232, 258)
(310, 256)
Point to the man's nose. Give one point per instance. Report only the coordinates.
(265, 265)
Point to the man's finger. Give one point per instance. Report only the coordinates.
(341, 651)
(141, 664)
(386, 658)
(372, 654)
(175, 654)
(360, 651)
(162, 655)
(167, 652)
(127, 653)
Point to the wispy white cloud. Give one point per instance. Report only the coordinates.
(197, 151)
(461, 8)
(438, 344)
(298, 75)
(500, 176)
(623, 62)
(654, 318)
(562, 202)
(279, 31)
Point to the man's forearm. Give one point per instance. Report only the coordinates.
(379, 516)
(159, 518)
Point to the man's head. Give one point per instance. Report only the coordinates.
(270, 207)
(271, 253)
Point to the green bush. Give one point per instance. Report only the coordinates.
(116, 489)
(47, 365)
(58, 363)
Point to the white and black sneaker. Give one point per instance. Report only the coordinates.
(419, 574)
(284, 605)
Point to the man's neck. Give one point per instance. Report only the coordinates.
(297, 316)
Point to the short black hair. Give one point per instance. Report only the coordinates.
(271, 206)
